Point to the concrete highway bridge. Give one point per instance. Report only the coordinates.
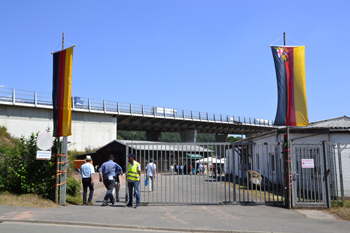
(95, 122)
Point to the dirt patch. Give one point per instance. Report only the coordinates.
(340, 213)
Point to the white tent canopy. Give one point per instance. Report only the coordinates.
(210, 160)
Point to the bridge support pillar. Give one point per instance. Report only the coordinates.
(221, 137)
(220, 150)
(188, 135)
(153, 136)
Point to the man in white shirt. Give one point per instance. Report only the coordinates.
(87, 171)
(151, 174)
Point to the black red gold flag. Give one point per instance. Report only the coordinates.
(61, 92)
(290, 74)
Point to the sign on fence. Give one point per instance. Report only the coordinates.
(307, 163)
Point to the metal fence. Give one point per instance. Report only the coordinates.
(16, 96)
(339, 169)
(193, 173)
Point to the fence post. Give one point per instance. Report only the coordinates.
(89, 104)
(286, 173)
(341, 174)
(126, 175)
(327, 170)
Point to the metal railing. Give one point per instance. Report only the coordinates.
(37, 99)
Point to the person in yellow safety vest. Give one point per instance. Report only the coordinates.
(133, 178)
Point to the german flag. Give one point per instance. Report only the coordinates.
(290, 74)
(61, 92)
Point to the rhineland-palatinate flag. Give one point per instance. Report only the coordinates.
(290, 73)
(61, 92)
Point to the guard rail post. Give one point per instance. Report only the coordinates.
(104, 106)
(35, 99)
(13, 97)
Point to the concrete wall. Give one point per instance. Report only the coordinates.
(89, 130)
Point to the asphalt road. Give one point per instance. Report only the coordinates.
(53, 228)
(165, 217)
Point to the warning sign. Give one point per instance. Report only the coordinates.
(307, 163)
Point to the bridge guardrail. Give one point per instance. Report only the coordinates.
(16, 96)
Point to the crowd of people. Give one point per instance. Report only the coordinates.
(199, 168)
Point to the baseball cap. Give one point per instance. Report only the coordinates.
(131, 155)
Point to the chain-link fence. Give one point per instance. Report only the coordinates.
(339, 166)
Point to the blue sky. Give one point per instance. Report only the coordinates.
(202, 55)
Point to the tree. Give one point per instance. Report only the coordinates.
(233, 139)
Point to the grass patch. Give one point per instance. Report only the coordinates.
(25, 200)
(75, 200)
(257, 195)
(341, 209)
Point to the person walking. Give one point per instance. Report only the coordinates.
(151, 169)
(133, 178)
(116, 186)
(87, 171)
(172, 169)
(107, 174)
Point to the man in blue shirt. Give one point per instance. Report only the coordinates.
(87, 171)
(107, 174)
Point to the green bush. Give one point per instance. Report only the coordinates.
(20, 172)
(73, 187)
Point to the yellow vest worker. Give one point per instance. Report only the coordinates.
(133, 173)
(133, 178)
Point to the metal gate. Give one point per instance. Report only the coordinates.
(309, 180)
(202, 173)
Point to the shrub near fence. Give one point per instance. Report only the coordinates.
(20, 172)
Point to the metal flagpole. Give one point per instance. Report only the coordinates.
(58, 159)
(63, 166)
(289, 159)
